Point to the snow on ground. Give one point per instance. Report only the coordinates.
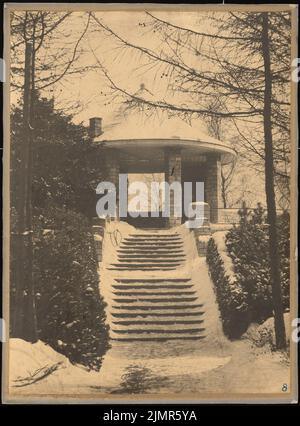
(195, 368)
(170, 368)
(263, 335)
(30, 366)
(160, 367)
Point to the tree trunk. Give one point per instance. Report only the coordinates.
(24, 315)
(270, 192)
(223, 190)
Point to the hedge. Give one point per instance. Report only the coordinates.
(248, 246)
(70, 310)
(230, 295)
(249, 299)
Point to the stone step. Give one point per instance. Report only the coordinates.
(154, 321)
(152, 244)
(129, 250)
(159, 328)
(153, 240)
(151, 255)
(173, 307)
(152, 235)
(151, 287)
(151, 247)
(147, 255)
(155, 299)
(153, 292)
(143, 267)
(158, 234)
(157, 308)
(149, 260)
(156, 338)
(176, 315)
(152, 280)
(145, 336)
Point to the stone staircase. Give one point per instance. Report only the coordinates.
(153, 306)
(150, 252)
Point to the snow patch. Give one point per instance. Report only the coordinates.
(28, 363)
(171, 367)
(264, 334)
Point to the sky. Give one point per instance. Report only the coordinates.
(126, 68)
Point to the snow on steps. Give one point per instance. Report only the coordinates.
(140, 251)
(150, 295)
(155, 310)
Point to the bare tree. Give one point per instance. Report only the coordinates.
(270, 193)
(33, 56)
(52, 59)
(244, 63)
(215, 129)
(226, 67)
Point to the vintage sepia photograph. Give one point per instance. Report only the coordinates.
(150, 203)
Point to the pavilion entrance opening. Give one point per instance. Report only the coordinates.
(146, 200)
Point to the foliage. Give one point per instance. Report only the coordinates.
(248, 246)
(66, 167)
(70, 310)
(284, 252)
(249, 298)
(230, 295)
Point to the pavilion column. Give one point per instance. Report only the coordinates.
(213, 187)
(173, 174)
(112, 164)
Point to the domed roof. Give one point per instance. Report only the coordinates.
(135, 129)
